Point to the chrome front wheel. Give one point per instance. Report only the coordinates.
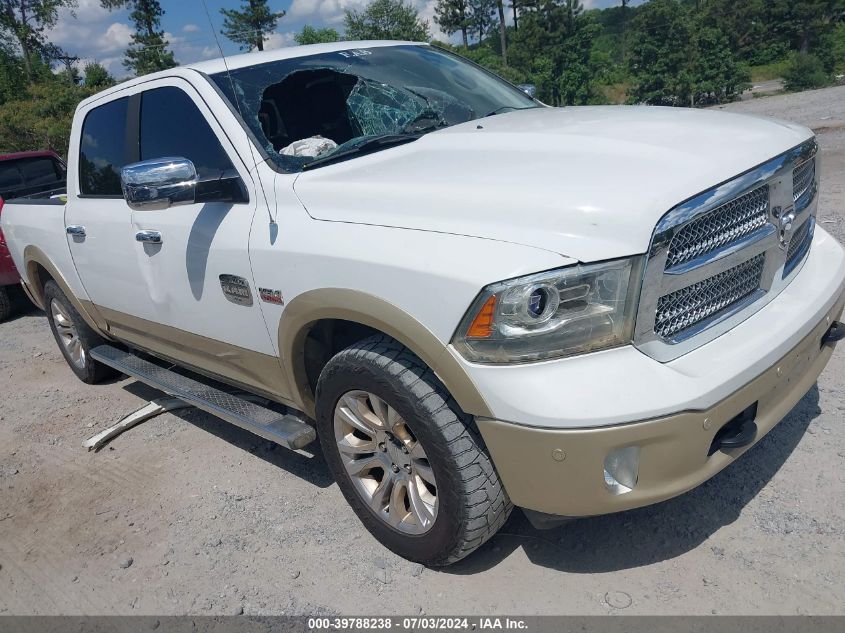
(386, 462)
(68, 334)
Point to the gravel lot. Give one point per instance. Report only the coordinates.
(184, 514)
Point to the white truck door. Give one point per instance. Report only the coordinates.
(182, 283)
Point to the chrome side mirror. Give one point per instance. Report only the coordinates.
(160, 183)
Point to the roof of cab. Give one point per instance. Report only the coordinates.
(235, 62)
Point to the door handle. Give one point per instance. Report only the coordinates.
(148, 237)
(75, 230)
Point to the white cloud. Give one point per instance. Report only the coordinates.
(191, 28)
(278, 40)
(332, 12)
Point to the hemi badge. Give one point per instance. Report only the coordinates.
(268, 295)
(236, 289)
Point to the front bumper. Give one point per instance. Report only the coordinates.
(561, 472)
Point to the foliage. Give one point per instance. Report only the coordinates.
(97, 77)
(251, 25)
(41, 117)
(148, 52)
(25, 22)
(676, 59)
(453, 16)
(310, 35)
(482, 18)
(805, 71)
(386, 20)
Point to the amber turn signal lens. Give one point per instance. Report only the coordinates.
(482, 324)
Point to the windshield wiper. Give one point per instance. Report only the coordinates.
(503, 108)
(370, 145)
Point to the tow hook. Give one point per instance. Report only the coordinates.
(834, 334)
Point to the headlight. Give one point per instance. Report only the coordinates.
(553, 314)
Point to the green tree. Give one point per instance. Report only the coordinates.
(251, 25)
(148, 52)
(41, 117)
(453, 16)
(25, 21)
(809, 20)
(482, 17)
(310, 35)
(386, 20)
(676, 59)
(97, 77)
(805, 71)
(658, 56)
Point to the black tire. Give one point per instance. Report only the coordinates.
(473, 504)
(5, 303)
(89, 371)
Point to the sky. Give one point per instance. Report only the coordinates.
(93, 33)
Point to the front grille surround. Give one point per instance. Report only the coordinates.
(716, 259)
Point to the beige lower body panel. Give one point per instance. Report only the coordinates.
(561, 472)
(250, 370)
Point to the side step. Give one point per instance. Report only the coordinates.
(286, 430)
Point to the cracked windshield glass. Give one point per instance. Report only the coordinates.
(332, 106)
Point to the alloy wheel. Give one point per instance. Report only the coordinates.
(68, 334)
(386, 462)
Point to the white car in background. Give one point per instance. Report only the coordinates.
(473, 300)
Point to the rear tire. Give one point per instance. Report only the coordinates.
(381, 410)
(74, 336)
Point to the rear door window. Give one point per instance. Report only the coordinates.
(173, 126)
(103, 150)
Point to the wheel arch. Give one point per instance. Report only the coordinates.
(366, 314)
(39, 270)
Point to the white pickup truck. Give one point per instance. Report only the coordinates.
(474, 301)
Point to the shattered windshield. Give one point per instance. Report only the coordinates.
(314, 109)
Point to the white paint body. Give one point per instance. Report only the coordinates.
(425, 226)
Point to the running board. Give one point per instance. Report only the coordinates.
(286, 430)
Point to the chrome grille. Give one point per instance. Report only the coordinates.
(802, 178)
(721, 226)
(690, 306)
(717, 258)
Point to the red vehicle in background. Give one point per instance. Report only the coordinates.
(21, 175)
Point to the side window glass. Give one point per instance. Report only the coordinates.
(10, 176)
(102, 151)
(172, 125)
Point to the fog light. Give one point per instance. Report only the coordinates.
(621, 468)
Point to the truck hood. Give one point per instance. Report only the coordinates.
(589, 183)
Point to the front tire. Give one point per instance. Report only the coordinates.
(412, 465)
(74, 336)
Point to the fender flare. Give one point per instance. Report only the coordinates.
(306, 309)
(34, 257)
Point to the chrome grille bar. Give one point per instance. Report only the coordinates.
(724, 225)
(803, 178)
(690, 306)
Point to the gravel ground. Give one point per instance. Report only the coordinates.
(184, 514)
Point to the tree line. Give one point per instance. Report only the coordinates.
(662, 52)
